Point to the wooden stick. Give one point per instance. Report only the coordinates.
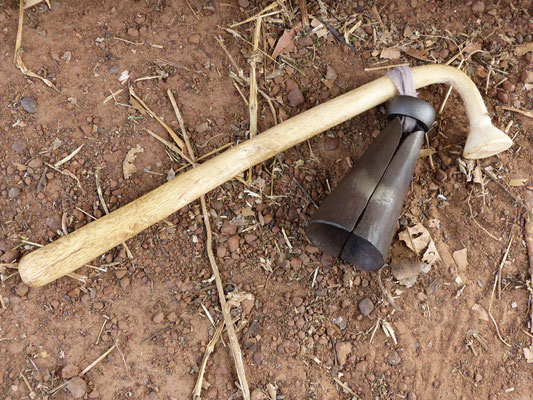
(253, 88)
(83, 245)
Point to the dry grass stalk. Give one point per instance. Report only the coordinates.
(104, 206)
(98, 360)
(208, 351)
(170, 145)
(252, 104)
(528, 233)
(345, 387)
(271, 6)
(233, 341)
(180, 121)
(178, 141)
(32, 393)
(68, 158)
(497, 278)
(112, 95)
(386, 67)
(519, 111)
(18, 50)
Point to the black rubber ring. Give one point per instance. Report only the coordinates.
(413, 107)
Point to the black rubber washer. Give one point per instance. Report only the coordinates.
(413, 107)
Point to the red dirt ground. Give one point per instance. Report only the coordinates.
(288, 336)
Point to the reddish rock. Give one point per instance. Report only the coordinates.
(133, 32)
(228, 229)
(331, 143)
(158, 318)
(233, 243)
(69, 371)
(194, 39)
(77, 387)
(295, 97)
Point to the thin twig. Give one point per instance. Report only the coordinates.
(208, 350)
(159, 332)
(385, 293)
(233, 341)
(98, 360)
(172, 134)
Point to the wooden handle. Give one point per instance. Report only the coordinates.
(80, 247)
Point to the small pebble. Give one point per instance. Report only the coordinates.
(10, 256)
(158, 317)
(478, 6)
(133, 32)
(194, 39)
(15, 347)
(295, 97)
(297, 301)
(21, 289)
(29, 105)
(18, 146)
(243, 3)
(69, 371)
(440, 176)
(233, 243)
(256, 394)
(340, 322)
(503, 97)
(257, 357)
(394, 358)
(366, 306)
(77, 387)
(343, 350)
(331, 143)
(13, 193)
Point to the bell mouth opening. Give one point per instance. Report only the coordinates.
(340, 243)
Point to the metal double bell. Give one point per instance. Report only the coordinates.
(357, 221)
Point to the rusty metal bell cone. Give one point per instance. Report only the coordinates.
(336, 218)
(357, 221)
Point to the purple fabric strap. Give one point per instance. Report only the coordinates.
(403, 80)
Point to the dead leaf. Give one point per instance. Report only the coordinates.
(418, 239)
(528, 354)
(518, 182)
(460, 258)
(480, 312)
(285, 43)
(128, 168)
(418, 54)
(390, 54)
(407, 32)
(523, 48)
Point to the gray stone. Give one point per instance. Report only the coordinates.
(29, 105)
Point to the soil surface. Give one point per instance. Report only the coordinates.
(309, 323)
